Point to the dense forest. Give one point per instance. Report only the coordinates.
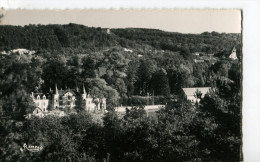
(124, 66)
(37, 37)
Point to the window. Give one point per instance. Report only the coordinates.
(38, 97)
(43, 103)
(38, 104)
(44, 97)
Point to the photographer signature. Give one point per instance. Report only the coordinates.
(32, 148)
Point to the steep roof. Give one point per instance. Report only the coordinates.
(56, 89)
(191, 91)
(41, 95)
(83, 89)
(62, 92)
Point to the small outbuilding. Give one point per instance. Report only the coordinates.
(190, 93)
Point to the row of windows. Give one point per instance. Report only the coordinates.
(38, 98)
(65, 103)
(68, 103)
(38, 103)
(66, 97)
(38, 111)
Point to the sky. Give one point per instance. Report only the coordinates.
(172, 20)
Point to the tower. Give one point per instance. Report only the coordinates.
(83, 98)
(56, 98)
(84, 94)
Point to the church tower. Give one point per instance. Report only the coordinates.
(56, 98)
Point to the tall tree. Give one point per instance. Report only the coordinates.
(89, 67)
(144, 74)
(160, 83)
(18, 80)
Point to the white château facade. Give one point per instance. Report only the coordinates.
(59, 100)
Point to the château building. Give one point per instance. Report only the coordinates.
(66, 100)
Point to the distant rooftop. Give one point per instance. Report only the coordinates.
(191, 91)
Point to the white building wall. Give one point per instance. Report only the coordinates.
(90, 106)
(193, 99)
(42, 104)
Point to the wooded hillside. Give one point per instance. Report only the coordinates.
(124, 66)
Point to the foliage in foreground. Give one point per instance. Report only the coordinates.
(176, 133)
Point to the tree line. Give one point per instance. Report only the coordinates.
(114, 74)
(36, 37)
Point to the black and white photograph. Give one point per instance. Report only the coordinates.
(125, 85)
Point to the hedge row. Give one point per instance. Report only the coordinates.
(142, 100)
